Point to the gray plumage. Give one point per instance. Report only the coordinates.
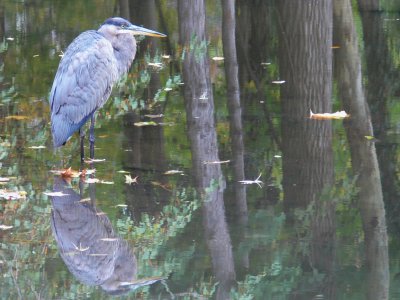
(89, 68)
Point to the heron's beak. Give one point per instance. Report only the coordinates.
(137, 30)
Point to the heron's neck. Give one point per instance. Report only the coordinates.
(124, 46)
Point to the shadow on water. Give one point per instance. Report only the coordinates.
(88, 244)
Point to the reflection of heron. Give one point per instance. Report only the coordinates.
(91, 65)
(88, 245)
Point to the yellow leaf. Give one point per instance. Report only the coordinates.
(16, 117)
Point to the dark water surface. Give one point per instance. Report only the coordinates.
(214, 182)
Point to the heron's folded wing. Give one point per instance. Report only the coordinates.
(84, 77)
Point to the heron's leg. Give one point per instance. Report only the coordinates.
(91, 136)
(82, 136)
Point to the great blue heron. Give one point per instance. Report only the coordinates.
(90, 66)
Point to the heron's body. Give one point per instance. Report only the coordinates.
(91, 65)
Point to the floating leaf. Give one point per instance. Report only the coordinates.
(121, 205)
(10, 39)
(12, 195)
(166, 56)
(5, 227)
(88, 171)
(172, 172)
(168, 89)
(89, 161)
(69, 173)
(123, 172)
(164, 186)
(216, 162)
(154, 116)
(130, 180)
(142, 281)
(4, 179)
(80, 248)
(35, 55)
(106, 182)
(140, 124)
(84, 200)
(218, 58)
(335, 46)
(37, 147)
(92, 180)
(156, 65)
(329, 116)
(55, 194)
(16, 117)
(109, 239)
(278, 81)
(369, 137)
(256, 181)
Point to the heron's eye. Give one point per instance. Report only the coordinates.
(123, 26)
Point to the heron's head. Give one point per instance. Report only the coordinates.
(117, 26)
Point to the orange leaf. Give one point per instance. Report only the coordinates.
(69, 173)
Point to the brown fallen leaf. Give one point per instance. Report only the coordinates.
(329, 116)
(69, 173)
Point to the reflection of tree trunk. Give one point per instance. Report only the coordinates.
(252, 50)
(235, 110)
(145, 13)
(124, 9)
(306, 65)
(368, 5)
(2, 30)
(235, 115)
(365, 164)
(382, 82)
(203, 139)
